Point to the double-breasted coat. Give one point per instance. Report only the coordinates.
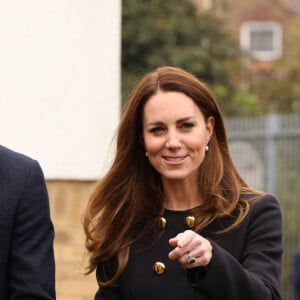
(245, 265)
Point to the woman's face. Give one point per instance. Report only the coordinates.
(175, 133)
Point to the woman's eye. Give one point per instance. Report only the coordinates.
(187, 125)
(156, 130)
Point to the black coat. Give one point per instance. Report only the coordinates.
(27, 269)
(246, 262)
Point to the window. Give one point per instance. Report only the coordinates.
(263, 40)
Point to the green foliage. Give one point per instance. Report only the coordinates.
(236, 102)
(171, 32)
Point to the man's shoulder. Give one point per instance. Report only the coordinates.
(14, 164)
(10, 157)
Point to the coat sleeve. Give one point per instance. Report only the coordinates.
(257, 274)
(31, 261)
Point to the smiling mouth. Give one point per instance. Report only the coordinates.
(174, 159)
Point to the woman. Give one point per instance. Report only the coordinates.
(172, 218)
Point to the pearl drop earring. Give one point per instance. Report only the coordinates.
(206, 147)
(146, 153)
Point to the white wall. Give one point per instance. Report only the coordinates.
(60, 82)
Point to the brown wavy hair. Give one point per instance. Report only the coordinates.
(132, 190)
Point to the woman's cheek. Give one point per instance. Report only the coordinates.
(153, 146)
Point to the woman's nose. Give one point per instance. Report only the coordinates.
(173, 140)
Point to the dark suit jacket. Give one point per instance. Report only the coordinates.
(27, 270)
(245, 265)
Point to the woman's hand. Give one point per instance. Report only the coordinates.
(191, 249)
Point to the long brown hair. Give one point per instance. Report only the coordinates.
(132, 189)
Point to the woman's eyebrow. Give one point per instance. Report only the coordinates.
(185, 119)
(155, 123)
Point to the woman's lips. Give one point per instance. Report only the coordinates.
(174, 159)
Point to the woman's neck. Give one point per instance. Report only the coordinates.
(181, 195)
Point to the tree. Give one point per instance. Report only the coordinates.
(172, 32)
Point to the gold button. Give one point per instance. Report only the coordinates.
(162, 223)
(159, 268)
(190, 221)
